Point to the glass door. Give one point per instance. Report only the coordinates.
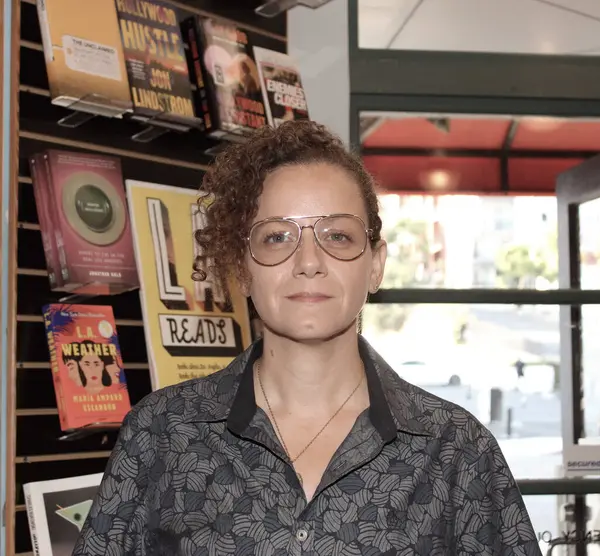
(578, 203)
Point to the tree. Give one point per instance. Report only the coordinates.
(520, 265)
(406, 266)
(515, 264)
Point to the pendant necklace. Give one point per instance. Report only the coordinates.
(292, 460)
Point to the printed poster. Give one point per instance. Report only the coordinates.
(192, 328)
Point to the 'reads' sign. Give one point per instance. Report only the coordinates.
(192, 328)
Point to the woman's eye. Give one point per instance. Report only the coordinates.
(338, 237)
(277, 238)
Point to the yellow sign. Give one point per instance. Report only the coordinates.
(192, 328)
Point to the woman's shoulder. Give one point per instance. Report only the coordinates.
(208, 397)
(420, 410)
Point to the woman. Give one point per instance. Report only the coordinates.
(308, 443)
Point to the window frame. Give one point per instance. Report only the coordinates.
(479, 83)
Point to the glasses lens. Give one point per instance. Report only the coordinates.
(343, 237)
(273, 241)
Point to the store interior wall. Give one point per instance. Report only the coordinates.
(318, 41)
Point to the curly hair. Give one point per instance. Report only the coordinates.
(233, 184)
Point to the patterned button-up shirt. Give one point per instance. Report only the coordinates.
(199, 471)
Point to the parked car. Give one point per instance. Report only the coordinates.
(428, 373)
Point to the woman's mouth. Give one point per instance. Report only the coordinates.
(309, 297)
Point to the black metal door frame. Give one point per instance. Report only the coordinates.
(574, 187)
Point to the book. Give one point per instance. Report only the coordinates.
(87, 367)
(57, 510)
(228, 95)
(84, 56)
(47, 227)
(88, 211)
(281, 85)
(156, 64)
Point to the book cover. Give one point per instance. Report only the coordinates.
(84, 56)
(57, 510)
(155, 59)
(93, 230)
(228, 85)
(281, 85)
(192, 328)
(86, 363)
(47, 228)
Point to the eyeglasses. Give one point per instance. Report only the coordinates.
(274, 240)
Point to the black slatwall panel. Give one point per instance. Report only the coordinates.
(40, 455)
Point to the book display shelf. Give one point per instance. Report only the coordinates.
(177, 159)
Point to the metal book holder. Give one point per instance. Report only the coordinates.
(91, 429)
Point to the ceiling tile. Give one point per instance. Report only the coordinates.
(512, 26)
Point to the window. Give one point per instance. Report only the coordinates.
(469, 241)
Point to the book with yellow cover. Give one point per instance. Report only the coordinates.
(84, 56)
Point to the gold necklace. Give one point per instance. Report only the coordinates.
(292, 460)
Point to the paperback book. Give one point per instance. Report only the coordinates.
(57, 510)
(84, 56)
(156, 64)
(81, 203)
(228, 93)
(281, 85)
(87, 367)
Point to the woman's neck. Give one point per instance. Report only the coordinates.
(311, 379)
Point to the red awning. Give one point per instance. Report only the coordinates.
(476, 155)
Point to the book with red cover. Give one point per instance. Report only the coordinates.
(47, 227)
(87, 367)
(88, 210)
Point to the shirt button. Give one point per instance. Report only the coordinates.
(302, 535)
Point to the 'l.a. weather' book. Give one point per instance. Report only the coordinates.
(87, 367)
(57, 510)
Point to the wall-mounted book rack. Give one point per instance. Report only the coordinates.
(80, 113)
(38, 450)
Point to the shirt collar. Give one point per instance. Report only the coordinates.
(228, 395)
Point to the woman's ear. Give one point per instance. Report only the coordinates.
(378, 268)
(244, 281)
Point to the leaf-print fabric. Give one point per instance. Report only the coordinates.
(198, 471)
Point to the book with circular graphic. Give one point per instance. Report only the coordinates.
(88, 222)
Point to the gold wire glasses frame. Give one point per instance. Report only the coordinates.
(300, 228)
